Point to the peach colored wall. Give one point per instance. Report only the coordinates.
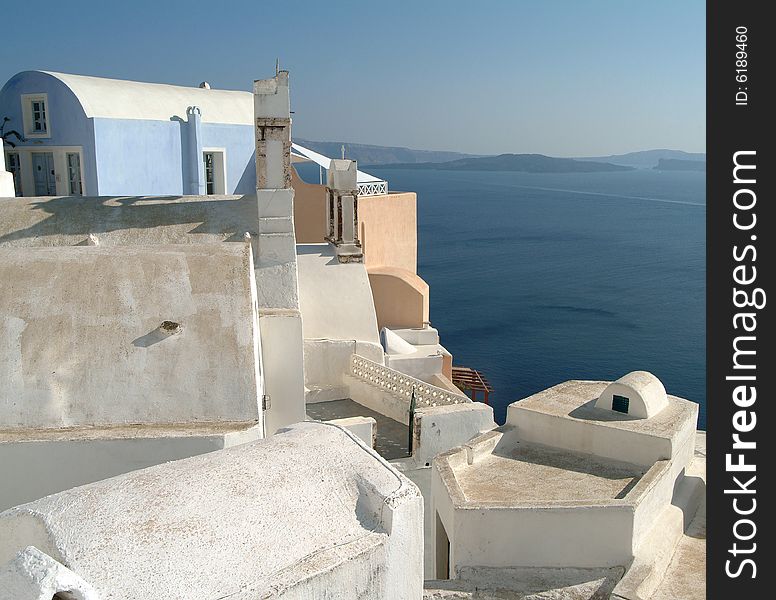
(387, 224)
(388, 230)
(400, 297)
(309, 210)
(388, 233)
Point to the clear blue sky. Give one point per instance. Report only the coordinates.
(565, 78)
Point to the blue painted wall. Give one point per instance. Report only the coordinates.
(139, 158)
(131, 157)
(68, 123)
(240, 154)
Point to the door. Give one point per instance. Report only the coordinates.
(74, 174)
(215, 172)
(210, 174)
(43, 171)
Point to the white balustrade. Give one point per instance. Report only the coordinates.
(400, 385)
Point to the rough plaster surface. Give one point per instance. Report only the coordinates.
(532, 473)
(335, 299)
(565, 416)
(36, 463)
(83, 339)
(309, 513)
(514, 583)
(33, 575)
(127, 220)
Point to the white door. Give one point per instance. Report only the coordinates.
(43, 171)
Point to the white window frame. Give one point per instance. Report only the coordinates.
(220, 185)
(27, 100)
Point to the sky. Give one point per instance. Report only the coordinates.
(563, 78)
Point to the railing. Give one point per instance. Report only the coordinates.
(401, 386)
(373, 188)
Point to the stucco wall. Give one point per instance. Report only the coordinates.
(309, 210)
(81, 341)
(240, 157)
(388, 230)
(401, 298)
(335, 299)
(32, 467)
(387, 224)
(139, 158)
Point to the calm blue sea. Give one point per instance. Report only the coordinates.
(540, 278)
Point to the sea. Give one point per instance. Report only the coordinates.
(536, 279)
(540, 278)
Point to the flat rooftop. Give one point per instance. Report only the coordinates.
(575, 400)
(534, 474)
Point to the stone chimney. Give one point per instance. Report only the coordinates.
(342, 210)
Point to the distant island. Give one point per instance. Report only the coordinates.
(648, 159)
(373, 156)
(673, 164)
(527, 163)
(369, 154)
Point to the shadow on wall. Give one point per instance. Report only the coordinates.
(247, 183)
(30, 221)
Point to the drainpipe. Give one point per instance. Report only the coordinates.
(196, 170)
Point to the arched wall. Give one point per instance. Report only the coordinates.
(400, 297)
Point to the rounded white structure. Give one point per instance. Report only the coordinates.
(638, 394)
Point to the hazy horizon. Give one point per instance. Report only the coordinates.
(564, 79)
(662, 148)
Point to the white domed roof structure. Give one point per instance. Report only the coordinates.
(638, 394)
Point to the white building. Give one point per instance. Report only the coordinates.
(575, 481)
(135, 331)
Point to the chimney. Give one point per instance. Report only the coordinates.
(342, 210)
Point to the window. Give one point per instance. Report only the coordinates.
(620, 404)
(36, 117)
(74, 174)
(14, 167)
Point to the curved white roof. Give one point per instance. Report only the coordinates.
(121, 99)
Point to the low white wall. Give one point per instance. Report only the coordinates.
(578, 536)
(386, 404)
(440, 428)
(365, 428)
(326, 362)
(588, 437)
(33, 469)
(7, 188)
